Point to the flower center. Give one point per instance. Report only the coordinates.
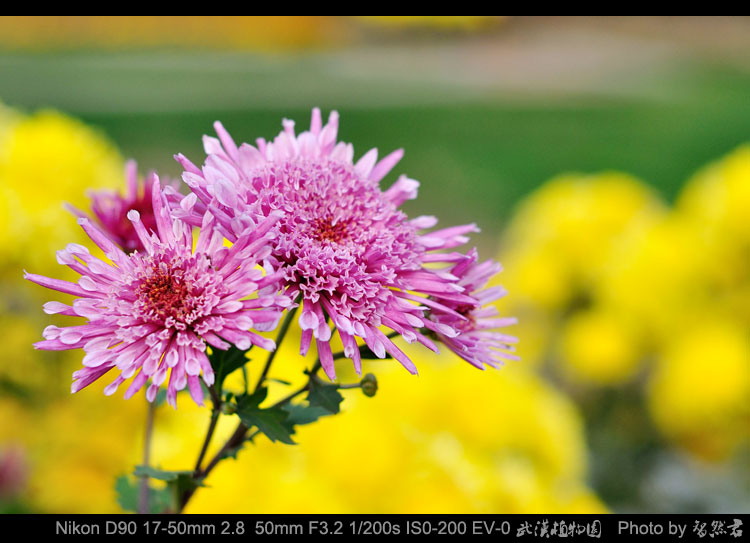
(165, 295)
(323, 229)
(340, 237)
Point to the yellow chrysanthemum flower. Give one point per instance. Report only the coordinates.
(556, 252)
(718, 196)
(599, 347)
(413, 448)
(72, 464)
(716, 201)
(658, 278)
(45, 160)
(565, 233)
(699, 394)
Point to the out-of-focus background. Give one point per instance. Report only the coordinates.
(607, 161)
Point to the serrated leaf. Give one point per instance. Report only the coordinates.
(178, 481)
(231, 452)
(254, 399)
(325, 395)
(271, 421)
(161, 475)
(185, 483)
(128, 493)
(301, 414)
(226, 362)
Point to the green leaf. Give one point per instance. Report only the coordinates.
(271, 421)
(11, 388)
(177, 481)
(226, 362)
(128, 492)
(232, 452)
(185, 483)
(158, 474)
(15, 507)
(300, 414)
(324, 395)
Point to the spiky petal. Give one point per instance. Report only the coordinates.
(151, 314)
(478, 341)
(342, 243)
(109, 209)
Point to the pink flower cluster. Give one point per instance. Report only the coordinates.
(151, 314)
(326, 236)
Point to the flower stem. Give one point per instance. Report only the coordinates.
(350, 385)
(215, 412)
(240, 435)
(143, 489)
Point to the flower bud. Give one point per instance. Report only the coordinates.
(369, 385)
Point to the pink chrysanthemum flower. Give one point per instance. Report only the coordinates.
(342, 244)
(110, 208)
(152, 313)
(477, 342)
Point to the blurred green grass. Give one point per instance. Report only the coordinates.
(476, 161)
(476, 152)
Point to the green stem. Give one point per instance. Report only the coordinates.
(143, 489)
(239, 434)
(350, 385)
(209, 434)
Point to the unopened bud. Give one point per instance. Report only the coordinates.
(369, 385)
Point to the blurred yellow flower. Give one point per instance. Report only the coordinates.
(23, 369)
(557, 248)
(265, 33)
(699, 394)
(72, 462)
(716, 201)
(619, 279)
(47, 159)
(718, 197)
(695, 259)
(657, 278)
(8, 118)
(518, 447)
(564, 234)
(599, 347)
